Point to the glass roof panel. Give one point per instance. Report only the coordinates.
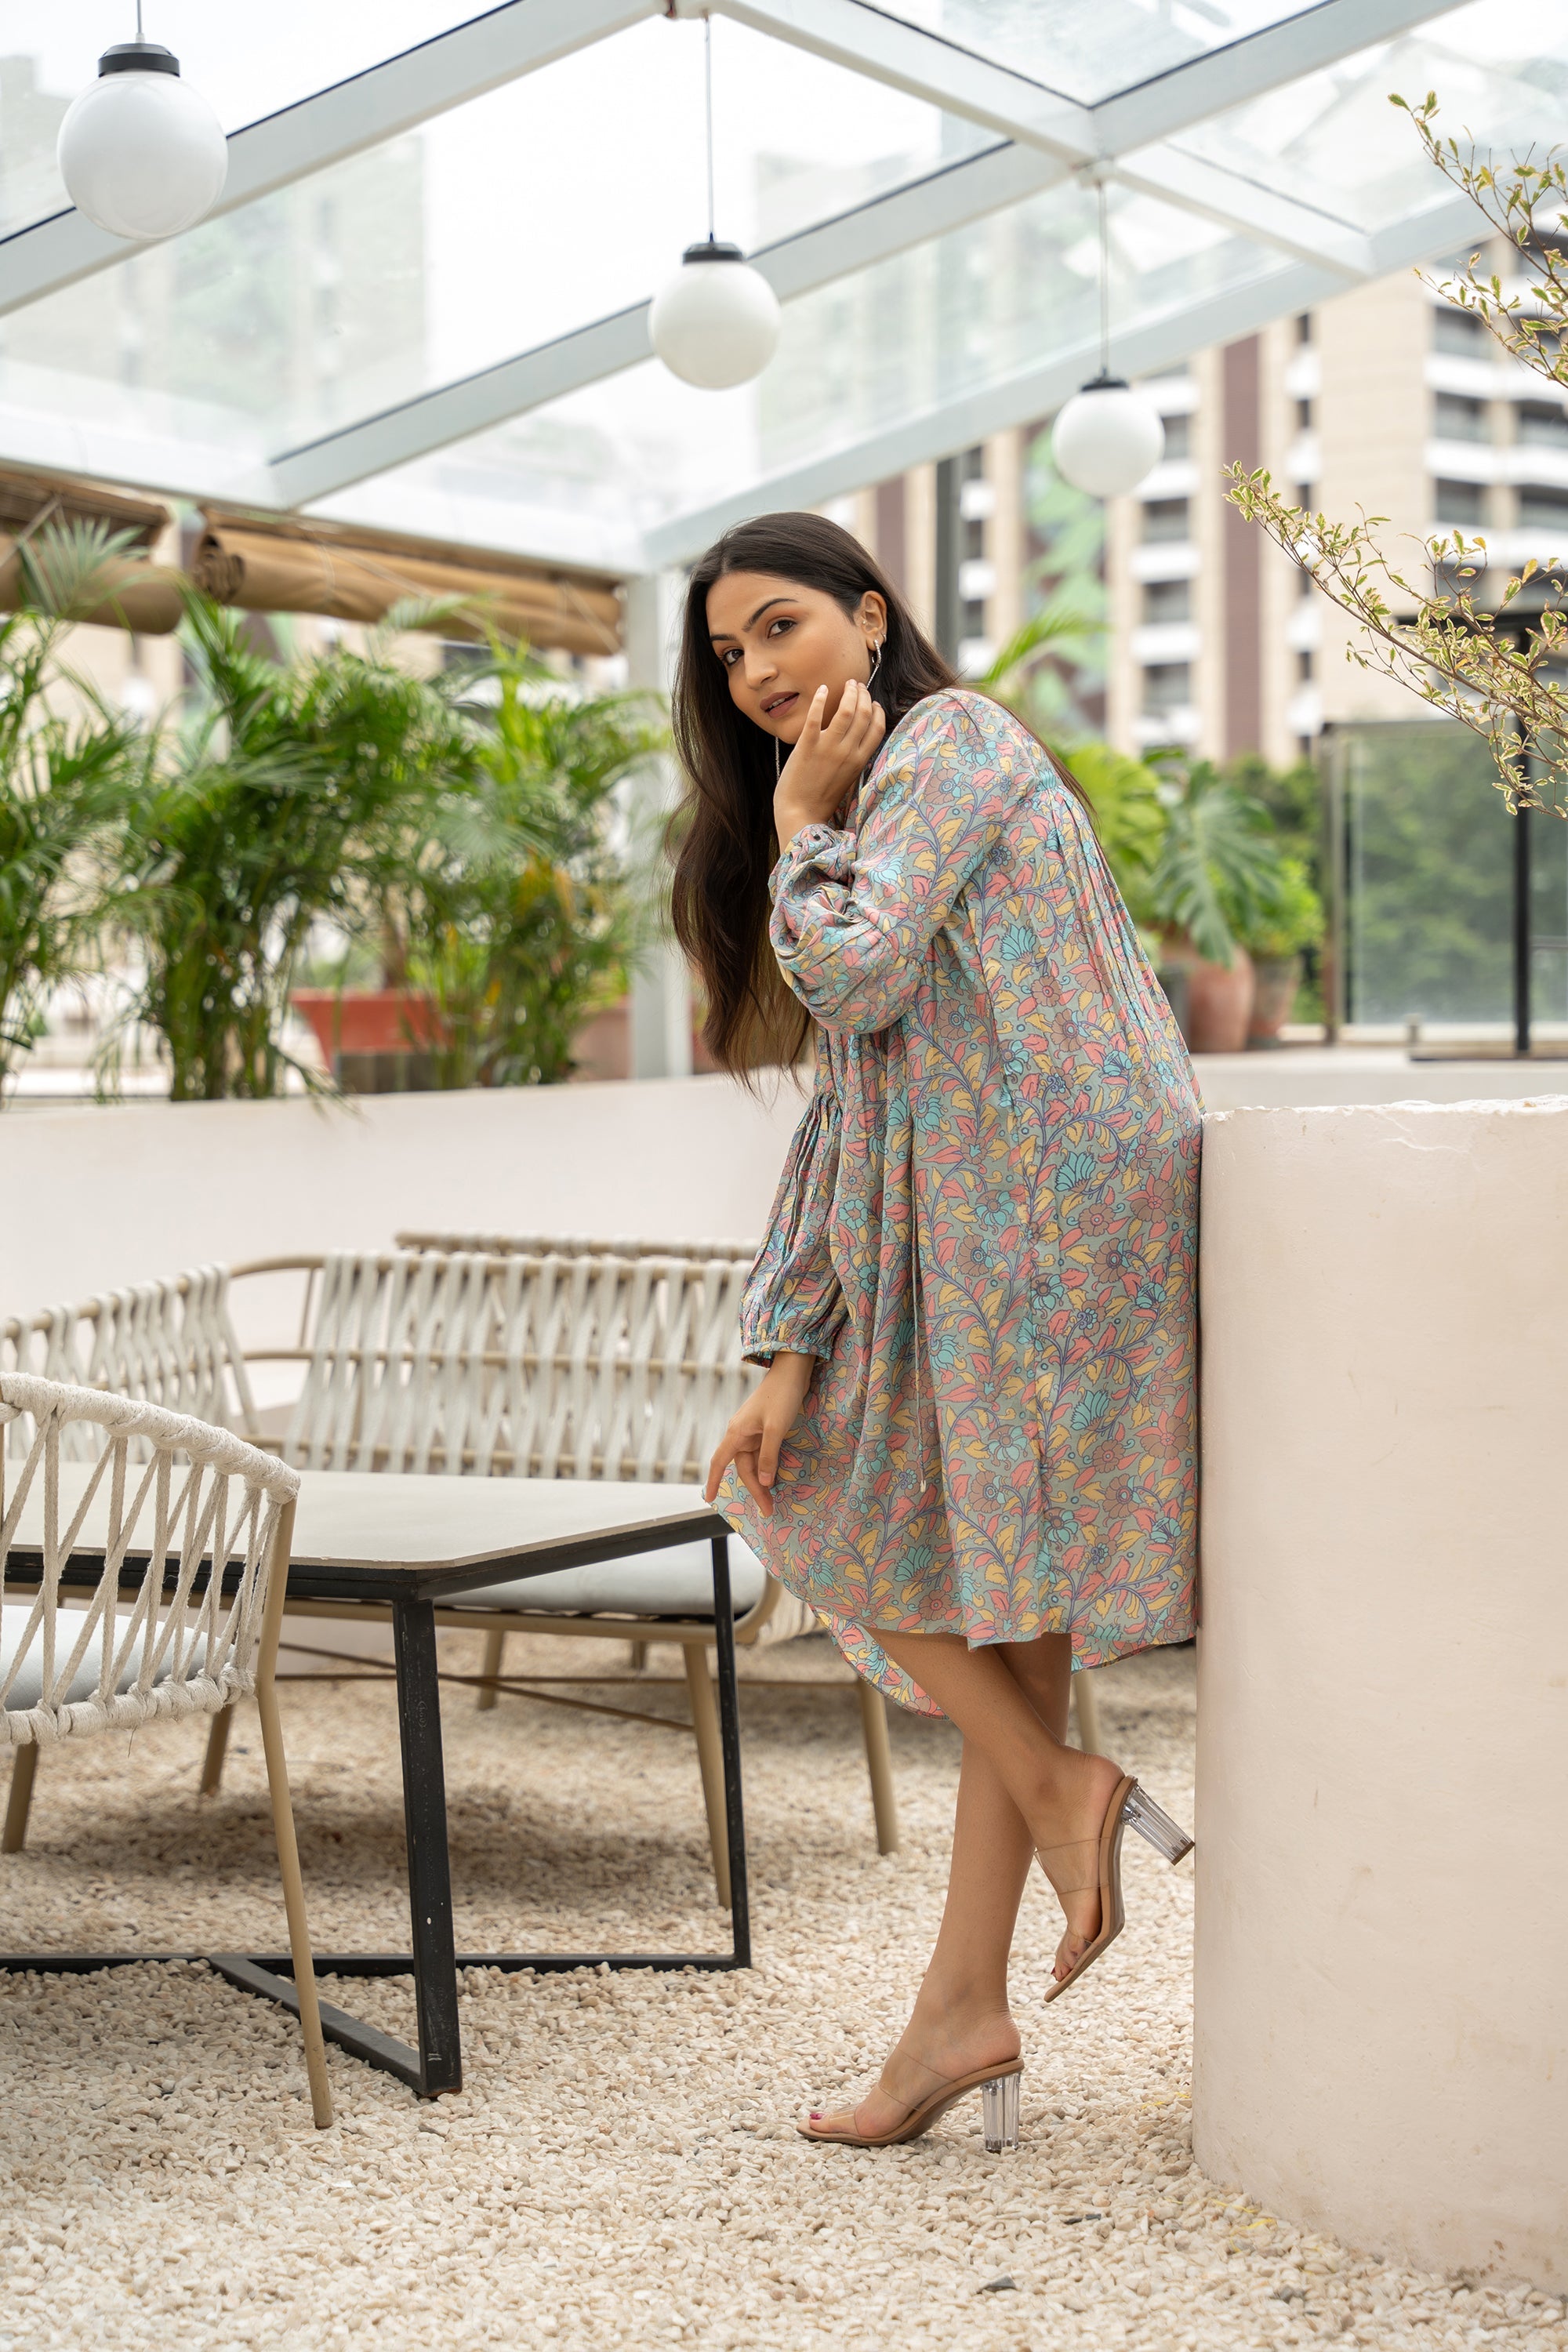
(247, 61)
(1090, 50)
(1333, 140)
(489, 230)
(588, 475)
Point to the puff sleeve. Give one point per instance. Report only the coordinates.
(792, 1297)
(854, 914)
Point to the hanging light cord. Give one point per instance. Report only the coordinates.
(707, 92)
(1104, 285)
(139, 20)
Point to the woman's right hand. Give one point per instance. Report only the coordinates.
(759, 1427)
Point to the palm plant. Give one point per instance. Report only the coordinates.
(276, 797)
(65, 777)
(524, 921)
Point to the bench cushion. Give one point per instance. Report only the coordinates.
(27, 1690)
(677, 1582)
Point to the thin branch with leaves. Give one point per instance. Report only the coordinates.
(1499, 669)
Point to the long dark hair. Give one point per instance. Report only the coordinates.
(724, 825)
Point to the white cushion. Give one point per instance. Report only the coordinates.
(27, 1690)
(677, 1583)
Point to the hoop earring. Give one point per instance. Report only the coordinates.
(778, 760)
(876, 661)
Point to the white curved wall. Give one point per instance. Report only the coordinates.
(1381, 1969)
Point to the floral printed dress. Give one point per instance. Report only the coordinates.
(985, 1225)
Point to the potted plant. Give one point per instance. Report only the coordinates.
(1216, 878)
(1276, 944)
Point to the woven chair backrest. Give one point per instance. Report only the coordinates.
(555, 1364)
(169, 1343)
(568, 1245)
(178, 1643)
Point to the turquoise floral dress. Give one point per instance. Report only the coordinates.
(986, 1223)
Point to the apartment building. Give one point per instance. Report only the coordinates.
(1386, 400)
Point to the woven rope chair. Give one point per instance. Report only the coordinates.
(173, 1493)
(168, 1343)
(564, 1361)
(789, 1617)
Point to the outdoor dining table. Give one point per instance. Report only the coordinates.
(410, 1541)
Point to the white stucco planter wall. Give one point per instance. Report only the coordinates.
(1381, 1969)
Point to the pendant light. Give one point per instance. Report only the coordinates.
(141, 153)
(716, 322)
(1107, 437)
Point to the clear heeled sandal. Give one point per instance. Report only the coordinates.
(999, 2088)
(1086, 1862)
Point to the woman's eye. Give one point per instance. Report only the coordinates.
(729, 657)
(782, 623)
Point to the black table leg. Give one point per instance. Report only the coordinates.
(429, 1868)
(729, 1741)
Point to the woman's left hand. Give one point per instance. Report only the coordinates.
(829, 757)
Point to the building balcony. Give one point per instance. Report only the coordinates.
(1174, 477)
(1304, 629)
(1167, 559)
(1304, 711)
(1178, 725)
(976, 578)
(1465, 461)
(1303, 460)
(1165, 641)
(1304, 375)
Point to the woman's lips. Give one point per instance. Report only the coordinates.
(778, 705)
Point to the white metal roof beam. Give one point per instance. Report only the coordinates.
(1248, 208)
(945, 75)
(500, 46)
(922, 64)
(1247, 68)
(943, 201)
(1021, 399)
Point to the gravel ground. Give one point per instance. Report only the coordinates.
(622, 2166)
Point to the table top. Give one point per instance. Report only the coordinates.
(386, 1534)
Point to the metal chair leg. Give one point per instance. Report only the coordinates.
(495, 1651)
(23, 1772)
(218, 1749)
(1086, 1706)
(711, 1759)
(880, 1764)
(283, 1828)
(636, 1656)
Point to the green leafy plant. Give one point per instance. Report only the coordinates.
(273, 798)
(1129, 817)
(527, 926)
(1220, 874)
(1294, 922)
(67, 761)
(1505, 682)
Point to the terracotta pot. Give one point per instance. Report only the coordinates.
(369, 1020)
(1219, 1005)
(1278, 979)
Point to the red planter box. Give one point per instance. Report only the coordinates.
(369, 1020)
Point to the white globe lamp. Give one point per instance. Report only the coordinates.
(141, 153)
(1106, 438)
(716, 322)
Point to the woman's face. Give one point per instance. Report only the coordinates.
(779, 642)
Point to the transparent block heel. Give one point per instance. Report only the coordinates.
(999, 2112)
(1152, 1822)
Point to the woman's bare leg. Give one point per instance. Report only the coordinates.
(960, 2019)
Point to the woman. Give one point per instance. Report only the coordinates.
(971, 1451)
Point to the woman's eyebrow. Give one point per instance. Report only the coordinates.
(752, 618)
